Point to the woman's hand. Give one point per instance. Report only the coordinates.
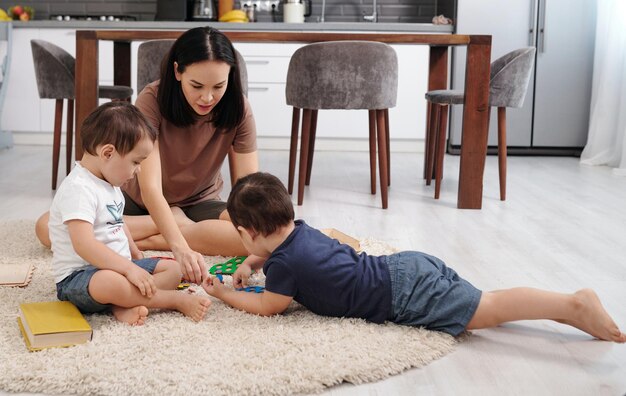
(241, 275)
(192, 265)
(142, 279)
(213, 286)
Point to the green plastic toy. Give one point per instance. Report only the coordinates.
(229, 267)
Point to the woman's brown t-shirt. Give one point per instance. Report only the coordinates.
(191, 157)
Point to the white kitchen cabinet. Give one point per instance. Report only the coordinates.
(25, 113)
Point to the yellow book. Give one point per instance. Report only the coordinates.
(52, 324)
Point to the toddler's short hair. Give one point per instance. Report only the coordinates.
(259, 201)
(118, 123)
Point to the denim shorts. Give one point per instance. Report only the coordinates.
(427, 293)
(75, 288)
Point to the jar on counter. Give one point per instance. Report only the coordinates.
(293, 11)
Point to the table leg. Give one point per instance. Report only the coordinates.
(86, 82)
(475, 123)
(437, 79)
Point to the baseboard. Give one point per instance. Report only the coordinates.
(263, 143)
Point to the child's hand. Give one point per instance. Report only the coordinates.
(142, 279)
(241, 275)
(213, 286)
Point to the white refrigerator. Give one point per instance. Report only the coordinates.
(555, 115)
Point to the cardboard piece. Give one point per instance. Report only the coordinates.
(343, 238)
(16, 275)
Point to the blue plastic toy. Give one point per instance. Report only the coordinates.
(252, 289)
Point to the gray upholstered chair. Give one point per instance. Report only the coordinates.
(54, 71)
(510, 75)
(342, 75)
(150, 57)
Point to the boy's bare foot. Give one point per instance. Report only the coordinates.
(592, 318)
(193, 306)
(135, 316)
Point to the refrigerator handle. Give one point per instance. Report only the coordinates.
(532, 36)
(542, 26)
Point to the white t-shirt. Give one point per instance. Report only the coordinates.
(83, 196)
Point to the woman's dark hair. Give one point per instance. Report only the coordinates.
(118, 123)
(198, 45)
(259, 201)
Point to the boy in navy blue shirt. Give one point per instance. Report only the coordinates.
(411, 288)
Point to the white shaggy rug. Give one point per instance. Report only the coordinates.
(229, 352)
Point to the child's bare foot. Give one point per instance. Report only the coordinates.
(193, 306)
(135, 316)
(592, 318)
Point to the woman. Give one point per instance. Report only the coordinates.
(201, 114)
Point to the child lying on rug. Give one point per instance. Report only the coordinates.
(91, 245)
(409, 288)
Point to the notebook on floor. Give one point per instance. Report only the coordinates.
(52, 324)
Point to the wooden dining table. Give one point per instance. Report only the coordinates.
(475, 111)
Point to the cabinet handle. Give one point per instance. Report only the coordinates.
(542, 26)
(532, 36)
(258, 89)
(257, 62)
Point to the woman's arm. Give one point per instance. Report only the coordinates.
(242, 164)
(191, 262)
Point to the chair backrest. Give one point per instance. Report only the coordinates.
(54, 70)
(510, 75)
(151, 55)
(343, 75)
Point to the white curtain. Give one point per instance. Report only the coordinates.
(606, 144)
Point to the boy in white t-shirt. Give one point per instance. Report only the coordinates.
(91, 244)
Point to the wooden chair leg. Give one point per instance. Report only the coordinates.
(372, 126)
(69, 137)
(427, 138)
(382, 155)
(502, 151)
(304, 153)
(56, 141)
(441, 147)
(293, 147)
(386, 111)
(311, 145)
(433, 128)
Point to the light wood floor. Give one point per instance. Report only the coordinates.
(562, 228)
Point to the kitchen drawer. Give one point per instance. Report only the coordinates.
(266, 69)
(271, 113)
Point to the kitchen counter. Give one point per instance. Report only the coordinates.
(257, 26)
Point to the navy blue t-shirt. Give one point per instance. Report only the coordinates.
(329, 278)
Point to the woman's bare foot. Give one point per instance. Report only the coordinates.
(592, 318)
(135, 316)
(193, 306)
